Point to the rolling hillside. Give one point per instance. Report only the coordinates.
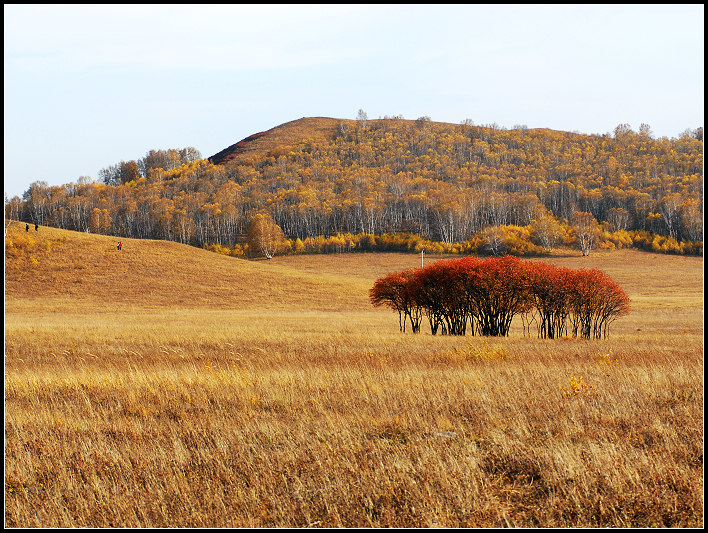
(55, 263)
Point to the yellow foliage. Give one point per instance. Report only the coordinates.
(608, 359)
(578, 387)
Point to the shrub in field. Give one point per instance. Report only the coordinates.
(595, 301)
(438, 289)
(394, 291)
(589, 299)
(608, 359)
(498, 290)
(550, 287)
(486, 294)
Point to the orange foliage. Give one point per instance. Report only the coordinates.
(488, 293)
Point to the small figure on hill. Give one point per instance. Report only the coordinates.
(36, 227)
(26, 227)
(120, 245)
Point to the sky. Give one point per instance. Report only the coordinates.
(89, 86)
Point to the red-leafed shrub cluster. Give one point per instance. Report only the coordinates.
(482, 296)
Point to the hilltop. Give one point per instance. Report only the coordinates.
(290, 133)
(313, 129)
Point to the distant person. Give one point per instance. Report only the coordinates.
(120, 245)
(36, 227)
(26, 227)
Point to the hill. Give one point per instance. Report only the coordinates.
(449, 183)
(86, 270)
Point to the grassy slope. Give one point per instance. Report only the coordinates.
(89, 270)
(169, 386)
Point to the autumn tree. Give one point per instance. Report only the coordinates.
(546, 231)
(99, 221)
(618, 218)
(167, 159)
(484, 293)
(623, 132)
(37, 199)
(120, 173)
(439, 291)
(494, 239)
(443, 182)
(497, 289)
(362, 118)
(12, 210)
(692, 219)
(550, 289)
(587, 231)
(669, 209)
(429, 295)
(264, 236)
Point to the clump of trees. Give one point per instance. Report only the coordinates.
(483, 295)
(127, 171)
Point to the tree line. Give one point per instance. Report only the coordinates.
(446, 183)
(502, 240)
(482, 296)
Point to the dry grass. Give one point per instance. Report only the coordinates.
(165, 386)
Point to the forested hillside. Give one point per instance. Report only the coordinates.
(451, 183)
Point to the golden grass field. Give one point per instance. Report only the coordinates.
(167, 386)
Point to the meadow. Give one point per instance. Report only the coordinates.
(167, 386)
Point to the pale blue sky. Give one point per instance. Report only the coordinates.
(89, 86)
